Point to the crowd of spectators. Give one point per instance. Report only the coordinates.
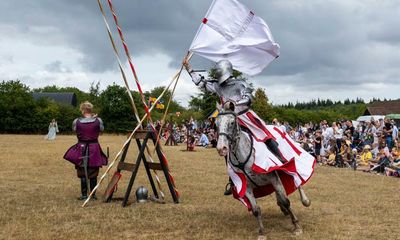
(191, 133)
(370, 146)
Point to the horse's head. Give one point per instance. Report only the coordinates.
(227, 127)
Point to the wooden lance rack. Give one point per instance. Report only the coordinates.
(142, 137)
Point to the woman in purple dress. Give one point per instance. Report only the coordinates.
(87, 155)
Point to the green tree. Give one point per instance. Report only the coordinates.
(204, 102)
(94, 94)
(261, 105)
(17, 107)
(116, 110)
(47, 109)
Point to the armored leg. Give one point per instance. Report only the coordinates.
(228, 187)
(272, 145)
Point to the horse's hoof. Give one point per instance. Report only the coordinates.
(306, 203)
(298, 231)
(262, 237)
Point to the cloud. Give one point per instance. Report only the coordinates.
(56, 67)
(325, 44)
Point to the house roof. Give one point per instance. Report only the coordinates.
(63, 98)
(383, 108)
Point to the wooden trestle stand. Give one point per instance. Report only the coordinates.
(142, 137)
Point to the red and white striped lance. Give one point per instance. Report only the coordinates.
(125, 45)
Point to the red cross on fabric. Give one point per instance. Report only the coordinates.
(284, 136)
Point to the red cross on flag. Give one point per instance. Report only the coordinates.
(231, 31)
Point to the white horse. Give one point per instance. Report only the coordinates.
(235, 144)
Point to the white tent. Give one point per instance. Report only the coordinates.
(369, 118)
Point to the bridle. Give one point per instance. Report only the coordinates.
(233, 139)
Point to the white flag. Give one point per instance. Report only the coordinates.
(231, 31)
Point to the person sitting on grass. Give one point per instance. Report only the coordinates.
(203, 141)
(395, 154)
(335, 150)
(331, 160)
(213, 138)
(394, 168)
(375, 150)
(365, 158)
(381, 163)
(345, 152)
(326, 153)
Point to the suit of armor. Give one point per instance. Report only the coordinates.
(233, 89)
(239, 92)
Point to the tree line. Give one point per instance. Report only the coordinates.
(205, 103)
(20, 113)
(322, 103)
(314, 110)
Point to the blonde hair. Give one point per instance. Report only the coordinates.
(86, 107)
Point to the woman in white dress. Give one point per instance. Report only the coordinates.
(53, 129)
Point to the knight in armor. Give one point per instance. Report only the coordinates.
(238, 91)
(87, 155)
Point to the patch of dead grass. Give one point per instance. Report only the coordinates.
(39, 190)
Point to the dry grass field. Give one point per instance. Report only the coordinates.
(39, 190)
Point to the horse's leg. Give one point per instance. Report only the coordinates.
(304, 199)
(284, 202)
(256, 212)
(283, 209)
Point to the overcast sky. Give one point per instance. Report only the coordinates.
(329, 48)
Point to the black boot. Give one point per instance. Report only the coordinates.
(93, 183)
(272, 145)
(83, 189)
(228, 188)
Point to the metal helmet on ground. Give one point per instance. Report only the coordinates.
(224, 70)
(142, 194)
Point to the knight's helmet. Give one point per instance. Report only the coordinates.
(142, 194)
(224, 70)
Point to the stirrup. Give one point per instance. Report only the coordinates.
(228, 189)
